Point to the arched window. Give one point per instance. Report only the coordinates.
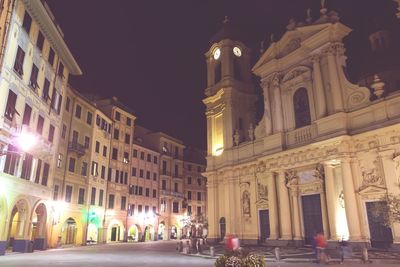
(301, 108)
(217, 72)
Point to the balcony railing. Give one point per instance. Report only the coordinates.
(172, 193)
(167, 173)
(76, 147)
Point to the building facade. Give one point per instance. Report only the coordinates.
(80, 176)
(35, 65)
(195, 190)
(143, 193)
(119, 167)
(323, 158)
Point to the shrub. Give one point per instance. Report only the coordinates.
(240, 258)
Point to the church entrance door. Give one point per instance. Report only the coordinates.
(312, 217)
(264, 225)
(381, 235)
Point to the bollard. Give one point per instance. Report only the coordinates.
(212, 252)
(365, 254)
(278, 254)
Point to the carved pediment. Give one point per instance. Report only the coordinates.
(372, 192)
(262, 204)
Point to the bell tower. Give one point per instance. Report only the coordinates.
(230, 94)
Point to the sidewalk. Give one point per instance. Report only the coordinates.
(303, 254)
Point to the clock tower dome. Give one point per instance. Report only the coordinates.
(230, 94)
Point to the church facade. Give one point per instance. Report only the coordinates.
(323, 158)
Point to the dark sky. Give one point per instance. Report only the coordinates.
(150, 54)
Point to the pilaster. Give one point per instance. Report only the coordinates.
(284, 207)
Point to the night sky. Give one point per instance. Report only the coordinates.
(150, 54)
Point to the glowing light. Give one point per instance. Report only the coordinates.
(341, 224)
(26, 140)
(219, 151)
(237, 51)
(217, 53)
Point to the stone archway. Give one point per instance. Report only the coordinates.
(69, 231)
(134, 233)
(3, 219)
(115, 231)
(93, 228)
(161, 231)
(18, 226)
(149, 233)
(39, 222)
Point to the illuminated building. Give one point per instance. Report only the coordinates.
(119, 171)
(143, 192)
(325, 153)
(34, 67)
(81, 172)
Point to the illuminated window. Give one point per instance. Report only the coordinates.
(59, 160)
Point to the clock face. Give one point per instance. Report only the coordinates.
(237, 51)
(217, 53)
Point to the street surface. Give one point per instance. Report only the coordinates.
(151, 254)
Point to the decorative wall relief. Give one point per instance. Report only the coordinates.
(319, 172)
(290, 47)
(246, 203)
(291, 178)
(262, 191)
(371, 176)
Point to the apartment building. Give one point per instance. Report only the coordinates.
(35, 63)
(80, 177)
(123, 120)
(143, 193)
(172, 204)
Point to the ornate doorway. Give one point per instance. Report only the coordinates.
(381, 235)
(312, 217)
(264, 225)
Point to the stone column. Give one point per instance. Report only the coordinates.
(267, 108)
(273, 207)
(350, 201)
(319, 87)
(336, 90)
(278, 113)
(388, 162)
(331, 200)
(211, 201)
(294, 193)
(324, 214)
(232, 207)
(284, 207)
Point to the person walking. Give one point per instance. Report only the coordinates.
(320, 241)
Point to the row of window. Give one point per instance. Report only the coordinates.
(189, 210)
(81, 195)
(26, 118)
(189, 195)
(33, 170)
(141, 174)
(142, 156)
(27, 24)
(131, 209)
(56, 98)
(120, 177)
(127, 136)
(138, 190)
(164, 186)
(175, 206)
(117, 117)
(189, 167)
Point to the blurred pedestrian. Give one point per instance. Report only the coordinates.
(321, 245)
